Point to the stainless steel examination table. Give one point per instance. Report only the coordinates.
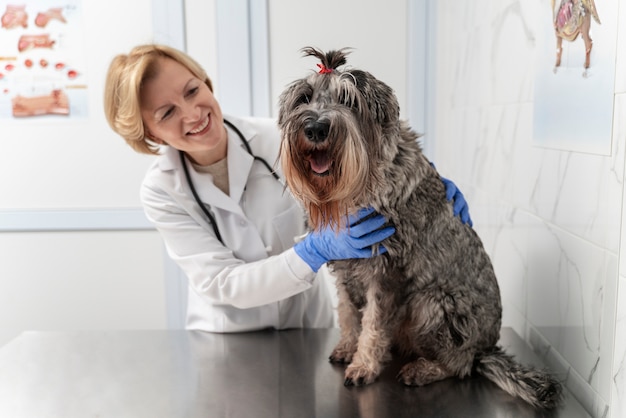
(253, 375)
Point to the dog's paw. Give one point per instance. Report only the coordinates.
(359, 376)
(341, 355)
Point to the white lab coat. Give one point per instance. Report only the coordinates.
(257, 280)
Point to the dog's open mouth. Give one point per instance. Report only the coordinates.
(320, 162)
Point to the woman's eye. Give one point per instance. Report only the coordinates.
(192, 91)
(167, 113)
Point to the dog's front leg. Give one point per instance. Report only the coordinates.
(375, 339)
(350, 325)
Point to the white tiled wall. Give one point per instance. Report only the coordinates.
(551, 219)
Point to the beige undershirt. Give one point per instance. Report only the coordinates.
(219, 171)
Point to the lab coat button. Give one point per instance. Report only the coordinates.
(242, 223)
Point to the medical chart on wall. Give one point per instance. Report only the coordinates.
(42, 61)
(575, 75)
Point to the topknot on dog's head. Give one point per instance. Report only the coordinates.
(330, 60)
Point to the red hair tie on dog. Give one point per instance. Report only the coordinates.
(324, 69)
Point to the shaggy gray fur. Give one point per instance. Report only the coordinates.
(433, 296)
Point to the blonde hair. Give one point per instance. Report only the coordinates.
(122, 92)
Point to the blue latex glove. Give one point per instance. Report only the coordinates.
(355, 241)
(459, 205)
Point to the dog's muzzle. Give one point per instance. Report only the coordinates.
(316, 133)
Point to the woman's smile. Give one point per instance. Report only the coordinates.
(202, 127)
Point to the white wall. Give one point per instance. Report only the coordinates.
(377, 31)
(75, 251)
(551, 219)
(66, 281)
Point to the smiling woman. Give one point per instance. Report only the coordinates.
(179, 109)
(126, 74)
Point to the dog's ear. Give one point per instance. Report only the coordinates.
(297, 93)
(380, 98)
(282, 104)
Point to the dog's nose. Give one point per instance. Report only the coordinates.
(316, 131)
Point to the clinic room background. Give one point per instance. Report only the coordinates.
(77, 253)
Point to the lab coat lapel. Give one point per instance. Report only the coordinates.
(239, 165)
(239, 162)
(207, 191)
(246, 241)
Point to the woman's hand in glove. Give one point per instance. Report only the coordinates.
(459, 204)
(364, 230)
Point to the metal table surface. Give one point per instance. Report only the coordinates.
(253, 375)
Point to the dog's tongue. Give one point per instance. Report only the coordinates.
(320, 162)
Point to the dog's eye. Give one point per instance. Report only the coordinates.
(304, 98)
(348, 99)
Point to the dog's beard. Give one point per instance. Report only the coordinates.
(329, 179)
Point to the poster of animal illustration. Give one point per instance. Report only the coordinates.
(575, 75)
(42, 69)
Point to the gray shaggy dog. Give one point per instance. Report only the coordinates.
(433, 296)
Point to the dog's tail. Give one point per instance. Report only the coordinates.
(537, 387)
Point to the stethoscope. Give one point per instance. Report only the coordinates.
(203, 207)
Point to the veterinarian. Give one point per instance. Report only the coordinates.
(223, 213)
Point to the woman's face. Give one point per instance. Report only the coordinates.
(179, 109)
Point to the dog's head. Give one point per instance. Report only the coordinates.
(335, 125)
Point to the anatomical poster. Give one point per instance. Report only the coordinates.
(575, 75)
(42, 68)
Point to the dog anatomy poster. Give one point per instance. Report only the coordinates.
(575, 75)
(42, 73)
